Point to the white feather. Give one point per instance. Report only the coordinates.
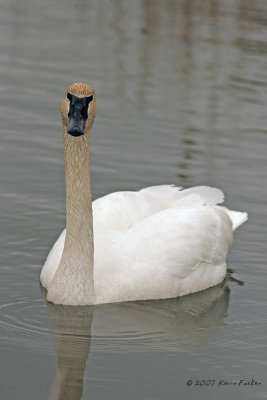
(159, 242)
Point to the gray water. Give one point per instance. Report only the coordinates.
(182, 97)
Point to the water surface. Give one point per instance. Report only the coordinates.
(182, 96)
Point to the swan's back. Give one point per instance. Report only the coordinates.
(122, 210)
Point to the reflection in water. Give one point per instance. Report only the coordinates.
(182, 54)
(148, 48)
(186, 74)
(213, 101)
(174, 325)
(119, 48)
(74, 327)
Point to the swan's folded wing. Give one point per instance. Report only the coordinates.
(122, 210)
(179, 238)
(171, 253)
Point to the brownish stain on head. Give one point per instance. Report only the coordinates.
(78, 90)
(81, 90)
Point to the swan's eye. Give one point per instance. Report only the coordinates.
(85, 108)
(89, 99)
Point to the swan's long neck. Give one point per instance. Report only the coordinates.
(79, 218)
(74, 279)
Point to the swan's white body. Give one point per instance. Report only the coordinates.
(156, 243)
(159, 242)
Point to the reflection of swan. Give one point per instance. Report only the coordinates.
(156, 243)
(74, 326)
(173, 325)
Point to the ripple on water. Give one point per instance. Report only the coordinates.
(172, 325)
(26, 323)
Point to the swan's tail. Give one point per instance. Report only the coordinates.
(237, 217)
(216, 196)
(174, 196)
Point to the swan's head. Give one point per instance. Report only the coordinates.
(78, 109)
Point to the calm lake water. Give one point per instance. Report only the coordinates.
(181, 87)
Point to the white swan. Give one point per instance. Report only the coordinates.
(159, 242)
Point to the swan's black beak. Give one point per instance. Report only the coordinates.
(78, 114)
(76, 127)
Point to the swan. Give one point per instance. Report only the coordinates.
(159, 242)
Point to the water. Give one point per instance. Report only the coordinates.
(182, 93)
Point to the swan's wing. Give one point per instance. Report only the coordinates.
(171, 253)
(181, 238)
(171, 193)
(122, 210)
